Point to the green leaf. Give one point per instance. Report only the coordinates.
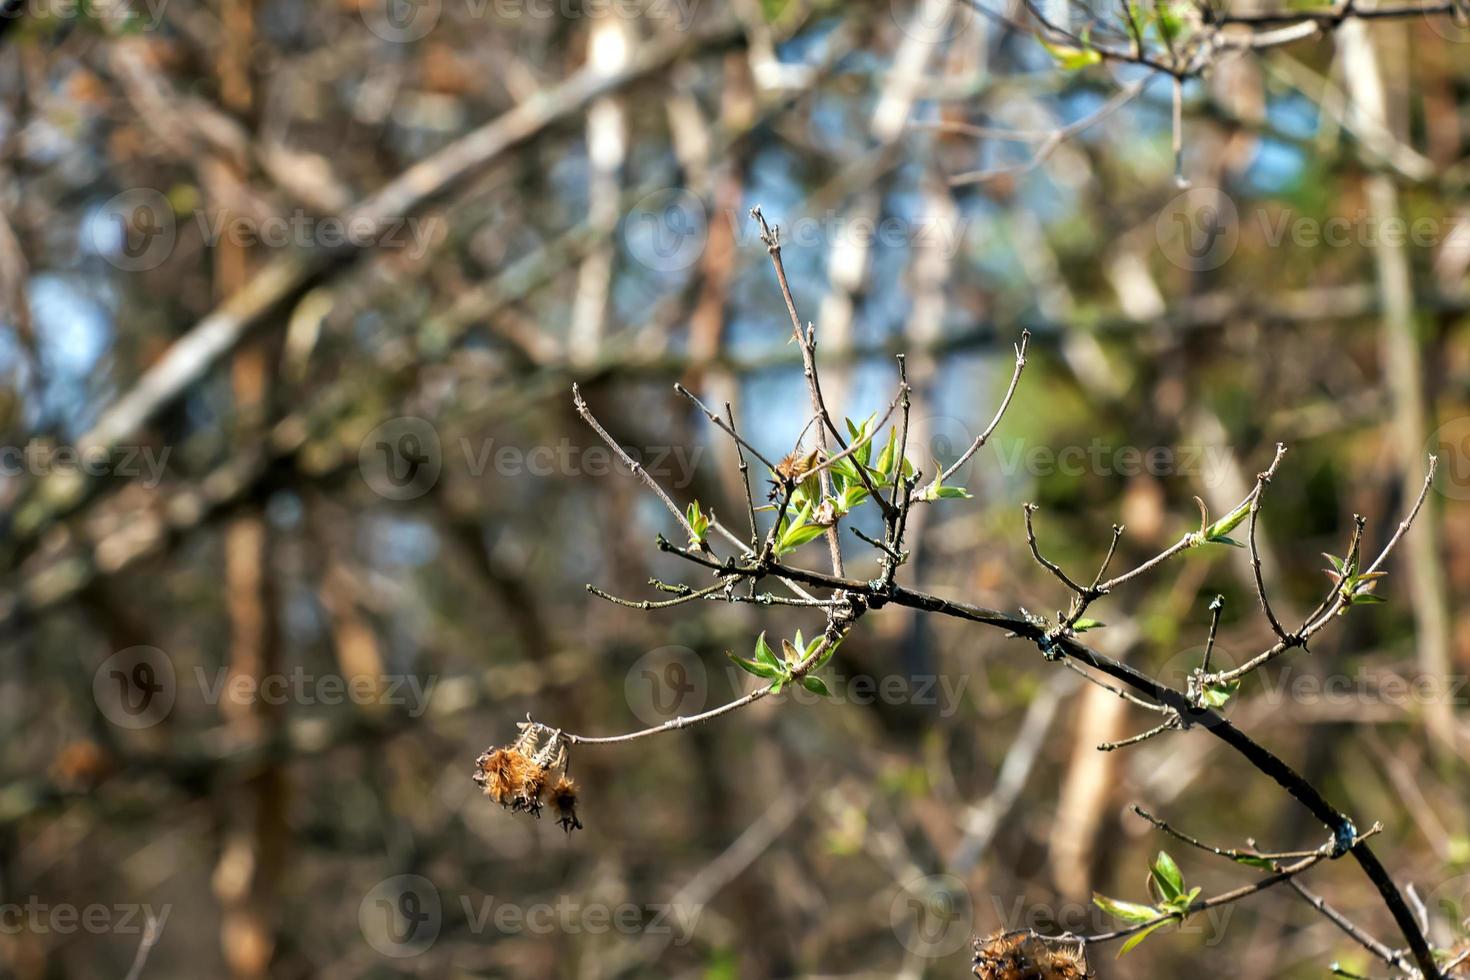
(1218, 695)
(1223, 539)
(938, 491)
(1337, 562)
(764, 671)
(698, 523)
(1167, 876)
(860, 435)
(1251, 861)
(1168, 21)
(799, 532)
(1227, 523)
(816, 685)
(1366, 598)
(1139, 937)
(1072, 59)
(885, 459)
(1127, 911)
(764, 653)
(800, 535)
(1084, 624)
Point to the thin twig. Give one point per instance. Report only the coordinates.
(999, 412)
(798, 671)
(744, 478)
(152, 932)
(1233, 854)
(646, 605)
(1107, 559)
(1313, 626)
(1168, 726)
(1045, 562)
(1261, 480)
(1390, 956)
(635, 466)
(727, 427)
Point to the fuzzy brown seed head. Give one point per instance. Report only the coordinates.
(511, 779)
(1026, 956)
(564, 802)
(793, 467)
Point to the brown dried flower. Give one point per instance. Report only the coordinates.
(794, 467)
(511, 779)
(1027, 956)
(516, 775)
(564, 802)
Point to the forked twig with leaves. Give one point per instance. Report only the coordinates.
(814, 494)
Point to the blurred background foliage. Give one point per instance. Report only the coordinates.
(607, 244)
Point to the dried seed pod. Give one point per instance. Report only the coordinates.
(516, 776)
(793, 467)
(1027, 956)
(511, 779)
(564, 802)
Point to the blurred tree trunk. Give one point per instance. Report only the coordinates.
(1403, 371)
